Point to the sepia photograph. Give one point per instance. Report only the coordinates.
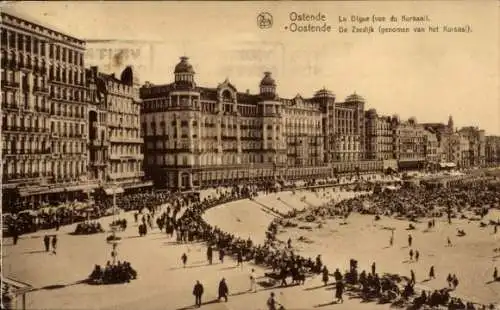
(250, 155)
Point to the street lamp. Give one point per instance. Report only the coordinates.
(113, 239)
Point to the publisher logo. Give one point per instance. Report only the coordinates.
(264, 20)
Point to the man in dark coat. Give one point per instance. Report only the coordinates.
(339, 291)
(221, 255)
(209, 254)
(198, 292)
(223, 290)
(46, 242)
(54, 244)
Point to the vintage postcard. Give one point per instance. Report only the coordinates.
(250, 155)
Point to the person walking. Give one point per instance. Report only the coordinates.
(410, 240)
(455, 282)
(271, 302)
(495, 274)
(198, 293)
(339, 291)
(449, 241)
(184, 259)
(253, 281)
(325, 275)
(221, 255)
(432, 274)
(412, 274)
(46, 242)
(209, 254)
(223, 290)
(54, 244)
(374, 268)
(417, 255)
(411, 254)
(240, 259)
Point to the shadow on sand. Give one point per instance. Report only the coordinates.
(318, 287)
(189, 267)
(213, 301)
(36, 251)
(58, 286)
(325, 304)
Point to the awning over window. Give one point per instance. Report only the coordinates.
(447, 165)
(113, 190)
(137, 185)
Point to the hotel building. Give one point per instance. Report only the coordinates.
(44, 128)
(199, 136)
(115, 145)
(49, 152)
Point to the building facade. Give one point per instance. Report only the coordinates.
(44, 130)
(49, 151)
(477, 145)
(380, 137)
(432, 149)
(492, 150)
(410, 144)
(199, 136)
(115, 143)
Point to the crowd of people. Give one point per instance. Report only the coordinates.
(284, 263)
(189, 226)
(88, 228)
(121, 272)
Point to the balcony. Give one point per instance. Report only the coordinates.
(125, 140)
(41, 89)
(123, 175)
(10, 84)
(99, 143)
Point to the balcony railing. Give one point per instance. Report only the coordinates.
(41, 89)
(11, 84)
(125, 140)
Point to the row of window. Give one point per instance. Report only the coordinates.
(123, 120)
(125, 167)
(34, 45)
(124, 150)
(122, 105)
(38, 145)
(124, 133)
(63, 167)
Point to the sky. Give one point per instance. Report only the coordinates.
(426, 75)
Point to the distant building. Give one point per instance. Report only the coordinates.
(460, 150)
(492, 150)
(432, 149)
(477, 145)
(410, 144)
(200, 136)
(115, 143)
(44, 114)
(379, 136)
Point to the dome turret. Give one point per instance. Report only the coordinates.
(324, 93)
(354, 98)
(184, 74)
(267, 80)
(184, 66)
(268, 85)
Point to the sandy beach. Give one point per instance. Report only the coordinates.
(471, 258)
